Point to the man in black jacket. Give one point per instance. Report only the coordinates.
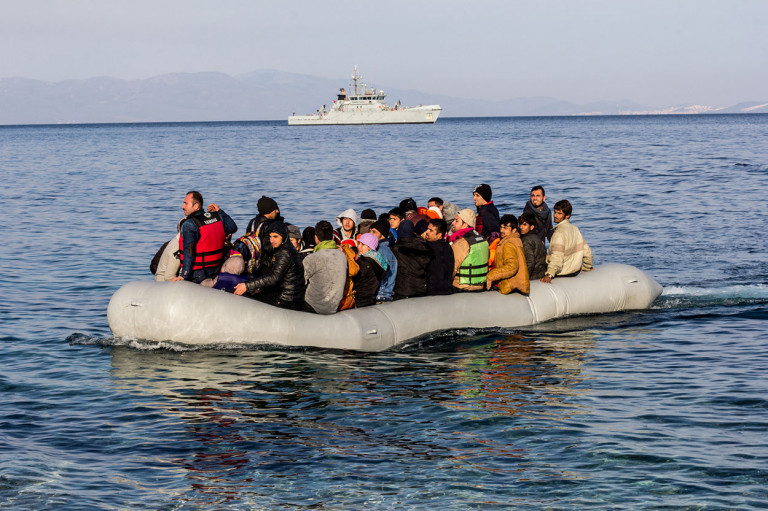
(533, 247)
(413, 255)
(440, 268)
(280, 278)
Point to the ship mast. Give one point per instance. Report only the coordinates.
(355, 79)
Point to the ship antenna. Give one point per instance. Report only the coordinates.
(355, 78)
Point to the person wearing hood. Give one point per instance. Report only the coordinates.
(280, 278)
(449, 210)
(510, 272)
(487, 218)
(373, 268)
(268, 212)
(413, 256)
(539, 209)
(470, 253)
(347, 230)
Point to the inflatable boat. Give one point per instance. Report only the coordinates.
(186, 313)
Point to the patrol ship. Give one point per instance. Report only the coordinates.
(366, 106)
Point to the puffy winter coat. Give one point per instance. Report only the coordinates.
(413, 256)
(510, 272)
(367, 281)
(280, 276)
(348, 298)
(325, 272)
(440, 269)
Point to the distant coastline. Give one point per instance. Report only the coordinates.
(266, 96)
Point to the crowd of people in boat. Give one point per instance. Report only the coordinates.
(409, 251)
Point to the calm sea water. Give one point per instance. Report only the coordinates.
(664, 408)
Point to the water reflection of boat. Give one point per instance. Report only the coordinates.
(366, 106)
(186, 313)
(530, 376)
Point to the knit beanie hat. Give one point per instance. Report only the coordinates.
(381, 226)
(265, 205)
(468, 216)
(293, 231)
(369, 239)
(484, 191)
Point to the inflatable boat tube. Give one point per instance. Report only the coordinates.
(186, 313)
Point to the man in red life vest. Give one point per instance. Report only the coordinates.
(203, 234)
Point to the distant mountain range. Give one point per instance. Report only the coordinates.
(263, 95)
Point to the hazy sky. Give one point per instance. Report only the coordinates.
(656, 52)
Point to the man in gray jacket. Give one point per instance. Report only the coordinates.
(325, 272)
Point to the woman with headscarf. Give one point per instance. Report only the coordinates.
(373, 268)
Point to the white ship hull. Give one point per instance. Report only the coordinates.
(407, 115)
(365, 105)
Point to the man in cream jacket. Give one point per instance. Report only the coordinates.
(569, 254)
